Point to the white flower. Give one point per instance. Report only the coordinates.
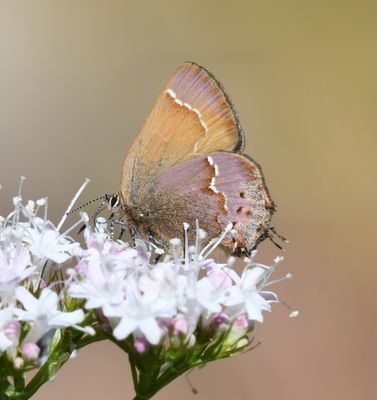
(168, 281)
(43, 313)
(114, 256)
(139, 314)
(245, 295)
(47, 243)
(209, 295)
(102, 287)
(15, 266)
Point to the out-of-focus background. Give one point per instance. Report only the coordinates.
(77, 79)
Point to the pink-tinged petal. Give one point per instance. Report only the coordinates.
(12, 330)
(29, 302)
(151, 330)
(81, 267)
(124, 328)
(220, 278)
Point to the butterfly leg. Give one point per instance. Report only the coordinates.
(112, 223)
(271, 235)
(132, 231)
(157, 258)
(122, 228)
(81, 230)
(273, 230)
(122, 231)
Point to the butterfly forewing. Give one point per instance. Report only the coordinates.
(192, 116)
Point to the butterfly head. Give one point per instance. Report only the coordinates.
(112, 201)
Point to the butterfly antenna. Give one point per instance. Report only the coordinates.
(86, 204)
(99, 209)
(94, 215)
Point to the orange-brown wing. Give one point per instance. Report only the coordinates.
(193, 116)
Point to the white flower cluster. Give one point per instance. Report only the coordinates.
(30, 247)
(172, 296)
(130, 293)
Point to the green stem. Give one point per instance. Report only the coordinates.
(133, 369)
(159, 383)
(19, 382)
(89, 340)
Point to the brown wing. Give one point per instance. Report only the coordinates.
(193, 116)
(217, 189)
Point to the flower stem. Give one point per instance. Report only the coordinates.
(133, 369)
(145, 392)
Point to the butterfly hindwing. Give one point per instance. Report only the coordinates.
(216, 190)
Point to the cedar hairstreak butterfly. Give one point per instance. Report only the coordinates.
(187, 165)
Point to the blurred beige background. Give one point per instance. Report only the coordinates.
(77, 79)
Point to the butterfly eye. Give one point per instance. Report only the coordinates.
(113, 201)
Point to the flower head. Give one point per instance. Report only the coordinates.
(185, 309)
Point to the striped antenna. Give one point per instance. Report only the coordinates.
(86, 204)
(99, 209)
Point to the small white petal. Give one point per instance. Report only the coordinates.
(151, 330)
(124, 328)
(4, 342)
(26, 298)
(61, 319)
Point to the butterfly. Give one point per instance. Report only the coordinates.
(187, 165)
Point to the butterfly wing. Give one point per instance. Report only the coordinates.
(193, 116)
(216, 190)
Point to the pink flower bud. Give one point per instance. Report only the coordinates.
(42, 284)
(30, 351)
(220, 319)
(238, 330)
(180, 326)
(241, 322)
(81, 267)
(141, 345)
